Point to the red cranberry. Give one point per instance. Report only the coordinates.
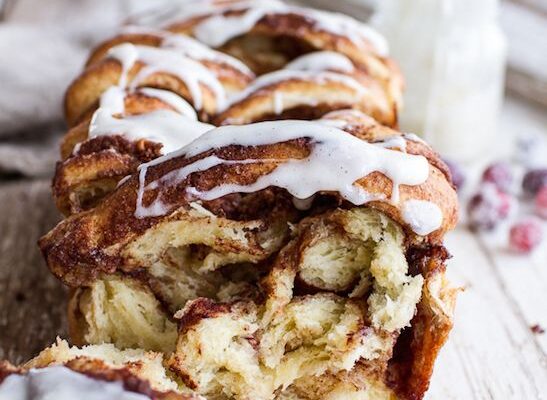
(500, 174)
(534, 180)
(458, 176)
(488, 207)
(525, 236)
(541, 202)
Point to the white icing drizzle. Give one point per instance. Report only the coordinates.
(415, 138)
(278, 102)
(191, 72)
(198, 51)
(317, 67)
(394, 142)
(284, 75)
(218, 29)
(190, 47)
(61, 383)
(113, 99)
(188, 9)
(303, 204)
(336, 161)
(127, 55)
(123, 180)
(172, 129)
(173, 99)
(167, 127)
(322, 61)
(423, 216)
(335, 123)
(158, 207)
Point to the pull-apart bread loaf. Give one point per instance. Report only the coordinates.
(270, 260)
(127, 105)
(244, 221)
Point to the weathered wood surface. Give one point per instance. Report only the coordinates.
(32, 302)
(492, 352)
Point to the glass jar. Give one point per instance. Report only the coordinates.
(452, 53)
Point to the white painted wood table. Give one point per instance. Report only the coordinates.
(492, 352)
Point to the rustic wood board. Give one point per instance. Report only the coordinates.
(32, 301)
(492, 352)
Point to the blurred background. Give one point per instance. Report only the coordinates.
(476, 77)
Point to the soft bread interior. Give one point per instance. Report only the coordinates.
(245, 349)
(321, 323)
(122, 311)
(207, 242)
(361, 383)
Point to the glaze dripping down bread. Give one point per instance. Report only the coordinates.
(310, 63)
(243, 219)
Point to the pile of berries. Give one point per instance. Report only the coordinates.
(498, 195)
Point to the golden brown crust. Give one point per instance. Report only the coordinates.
(86, 175)
(411, 367)
(102, 72)
(313, 98)
(279, 37)
(81, 181)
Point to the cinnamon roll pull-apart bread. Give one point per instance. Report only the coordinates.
(307, 88)
(295, 251)
(276, 260)
(62, 372)
(269, 35)
(128, 128)
(160, 60)
(133, 101)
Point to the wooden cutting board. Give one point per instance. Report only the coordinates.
(32, 301)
